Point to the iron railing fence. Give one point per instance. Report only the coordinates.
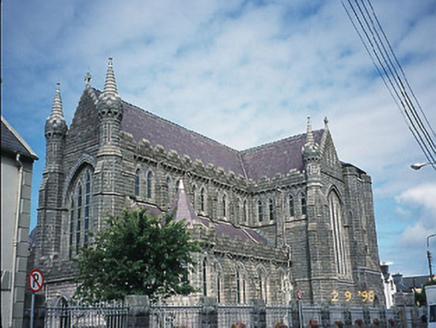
(81, 316)
(167, 316)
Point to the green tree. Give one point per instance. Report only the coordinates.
(137, 253)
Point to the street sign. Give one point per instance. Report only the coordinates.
(36, 280)
(299, 294)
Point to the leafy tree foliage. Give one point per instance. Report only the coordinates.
(137, 253)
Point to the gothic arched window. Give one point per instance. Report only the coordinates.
(202, 200)
(271, 208)
(87, 204)
(303, 204)
(336, 221)
(137, 182)
(79, 217)
(168, 187)
(149, 184)
(204, 277)
(291, 205)
(260, 210)
(70, 244)
(224, 205)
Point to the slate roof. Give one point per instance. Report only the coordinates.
(12, 142)
(267, 160)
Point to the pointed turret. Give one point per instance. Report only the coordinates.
(109, 103)
(55, 123)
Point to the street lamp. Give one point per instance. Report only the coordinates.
(429, 255)
(418, 166)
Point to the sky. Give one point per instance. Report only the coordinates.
(243, 73)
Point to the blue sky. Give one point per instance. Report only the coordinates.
(244, 73)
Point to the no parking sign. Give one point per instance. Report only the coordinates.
(36, 280)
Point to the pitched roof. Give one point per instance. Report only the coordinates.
(266, 160)
(12, 142)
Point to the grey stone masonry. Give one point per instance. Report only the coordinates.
(271, 219)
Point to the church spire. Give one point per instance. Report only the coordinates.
(109, 102)
(57, 103)
(55, 123)
(310, 148)
(110, 86)
(309, 139)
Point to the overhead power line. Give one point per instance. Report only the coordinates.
(376, 43)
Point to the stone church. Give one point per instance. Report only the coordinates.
(279, 220)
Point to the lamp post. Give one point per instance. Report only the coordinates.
(429, 255)
(417, 166)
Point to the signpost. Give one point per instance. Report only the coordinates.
(299, 298)
(36, 282)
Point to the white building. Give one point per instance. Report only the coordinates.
(16, 176)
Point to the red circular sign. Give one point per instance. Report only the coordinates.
(36, 280)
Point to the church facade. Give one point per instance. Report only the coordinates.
(277, 220)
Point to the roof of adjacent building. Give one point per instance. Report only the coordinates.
(254, 163)
(13, 143)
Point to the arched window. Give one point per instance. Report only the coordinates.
(176, 188)
(291, 205)
(260, 210)
(262, 285)
(224, 205)
(238, 287)
(204, 278)
(303, 204)
(70, 244)
(149, 184)
(168, 187)
(218, 287)
(202, 200)
(87, 204)
(194, 196)
(336, 221)
(245, 211)
(137, 182)
(271, 208)
(79, 217)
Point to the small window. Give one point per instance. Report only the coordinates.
(260, 210)
(224, 205)
(168, 186)
(70, 250)
(202, 200)
(204, 277)
(137, 182)
(149, 184)
(245, 214)
(271, 209)
(303, 204)
(291, 206)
